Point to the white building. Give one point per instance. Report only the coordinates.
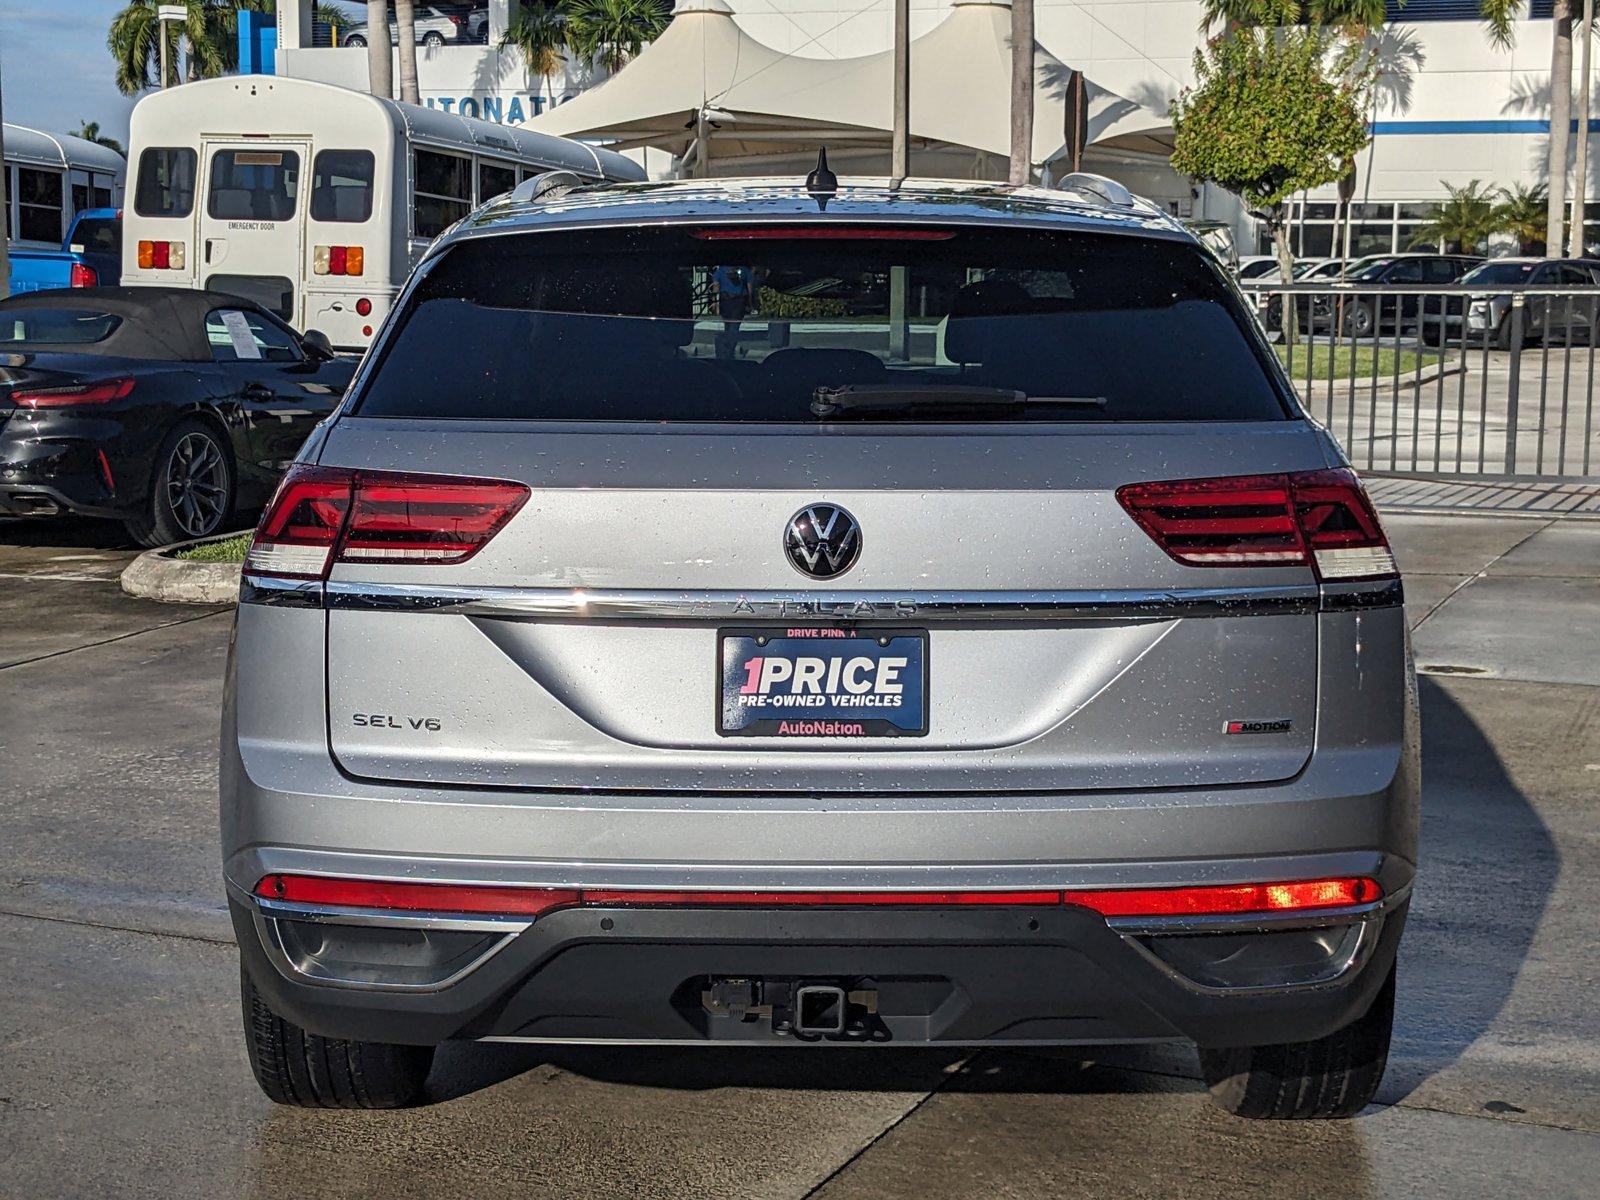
(1451, 109)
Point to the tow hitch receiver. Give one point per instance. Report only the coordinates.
(819, 1008)
(805, 1008)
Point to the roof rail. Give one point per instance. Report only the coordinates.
(1108, 191)
(547, 186)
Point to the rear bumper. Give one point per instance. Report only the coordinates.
(1035, 976)
(48, 468)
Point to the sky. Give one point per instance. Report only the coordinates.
(54, 67)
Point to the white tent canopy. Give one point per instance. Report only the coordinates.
(706, 75)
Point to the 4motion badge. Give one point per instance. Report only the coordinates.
(1279, 725)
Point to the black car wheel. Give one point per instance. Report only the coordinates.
(1357, 320)
(192, 491)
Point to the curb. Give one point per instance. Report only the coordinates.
(161, 575)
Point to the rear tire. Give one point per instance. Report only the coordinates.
(355, 40)
(310, 1071)
(1335, 1076)
(192, 489)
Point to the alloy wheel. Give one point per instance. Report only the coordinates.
(197, 484)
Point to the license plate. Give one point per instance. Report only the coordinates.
(823, 684)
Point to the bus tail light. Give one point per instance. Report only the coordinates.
(363, 307)
(339, 260)
(162, 256)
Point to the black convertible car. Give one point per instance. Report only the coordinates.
(163, 408)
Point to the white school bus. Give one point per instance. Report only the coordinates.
(314, 200)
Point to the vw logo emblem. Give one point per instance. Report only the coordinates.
(822, 541)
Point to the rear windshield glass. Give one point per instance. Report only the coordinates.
(727, 324)
(341, 185)
(166, 182)
(254, 185)
(56, 326)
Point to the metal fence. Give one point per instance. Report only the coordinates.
(1455, 380)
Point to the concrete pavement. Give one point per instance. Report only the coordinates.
(122, 1070)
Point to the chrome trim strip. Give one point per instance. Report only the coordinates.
(626, 604)
(454, 922)
(280, 593)
(1258, 922)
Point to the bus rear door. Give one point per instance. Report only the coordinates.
(252, 220)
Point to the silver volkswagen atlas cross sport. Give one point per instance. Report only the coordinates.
(847, 617)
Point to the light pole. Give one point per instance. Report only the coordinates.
(5, 201)
(165, 13)
(1580, 185)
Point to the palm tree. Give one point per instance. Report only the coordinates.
(540, 34)
(209, 36)
(89, 131)
(1521, 213)
(1560, 121)
(380, 57)
(405, 20)
(610, 32)
(1460, 223)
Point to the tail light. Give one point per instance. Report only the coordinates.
(1320, 519)
(338, 260)
(1206, 900)
(102, 391)
(324, 515)
(162, 256)
(83, 276)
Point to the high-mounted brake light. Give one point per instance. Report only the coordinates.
(100, 392)
(824, 233)
(324, 515)
(1321, 519)
(1208, 900)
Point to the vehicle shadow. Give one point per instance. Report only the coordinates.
(1488, 867)
(78, 533)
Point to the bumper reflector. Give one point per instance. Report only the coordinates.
(1210, 900)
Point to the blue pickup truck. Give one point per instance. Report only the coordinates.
(91, 256)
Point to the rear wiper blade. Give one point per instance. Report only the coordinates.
(831, 401)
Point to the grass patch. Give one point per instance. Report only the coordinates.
(228, 550)
(1381, 362)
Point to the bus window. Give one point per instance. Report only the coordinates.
(38, 205)
(166, 182)
(341, 185)
(444, 192)
(495, 178)
(253, 185)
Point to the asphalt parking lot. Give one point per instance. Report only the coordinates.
(122, 1071)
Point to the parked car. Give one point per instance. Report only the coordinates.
(162, 408)
(1360, 314)
(1557, 318)
(1310, 270)
(436, 25)
(90, 256)
(1030, 669)
(1258, 266)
